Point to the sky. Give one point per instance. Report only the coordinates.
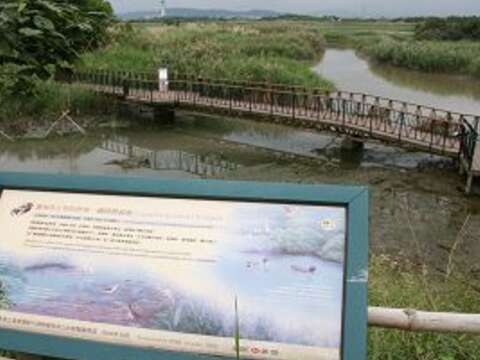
(355, 7)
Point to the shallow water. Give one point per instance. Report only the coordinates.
(142, 298)
(417, 208)
(350, 72)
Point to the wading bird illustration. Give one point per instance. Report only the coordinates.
(304, 270)
(111, 289)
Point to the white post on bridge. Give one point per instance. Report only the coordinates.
(163, 80)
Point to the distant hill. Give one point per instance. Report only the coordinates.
(200, 13)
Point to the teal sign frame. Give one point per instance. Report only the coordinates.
(354, 199)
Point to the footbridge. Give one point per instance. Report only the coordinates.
(358, 115)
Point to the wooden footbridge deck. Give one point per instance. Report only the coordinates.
(359, 115)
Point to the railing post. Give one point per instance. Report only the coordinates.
(126, 88)
(446, 130)
(151, 85)
(294, 103)
(418, 117)
(433, 116)
(305, 103)
(402, 121)
(207, 87)
(271, 102)
(250, 99)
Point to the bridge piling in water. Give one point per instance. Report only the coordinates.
(353, 143)
(163, 114)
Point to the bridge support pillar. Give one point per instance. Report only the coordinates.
(163, 114)
(351, 143)
(468, 186)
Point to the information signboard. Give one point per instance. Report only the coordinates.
(182, 269)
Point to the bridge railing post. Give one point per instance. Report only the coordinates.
(294, 102)
(402, 124)
(250, 99)
(126, 88)
(151, 86)
(446, 131)
(272, 101)
(433, 115)
(352, 109)
(402, 116)
(316, 104)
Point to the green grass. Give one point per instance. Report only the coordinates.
(49, 100)
(395, 44)
(401, 285)
(428, 56)
(275, 52)
(351, 33)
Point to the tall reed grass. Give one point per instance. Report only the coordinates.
(429, 56)
(270, 52)
(49, 99)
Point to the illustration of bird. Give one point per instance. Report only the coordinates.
(111, 289)
(304, 270)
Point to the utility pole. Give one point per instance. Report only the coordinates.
(163, 8)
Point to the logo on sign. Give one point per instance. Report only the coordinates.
(22, 210)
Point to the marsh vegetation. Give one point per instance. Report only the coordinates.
(430, 45)
(277, 52)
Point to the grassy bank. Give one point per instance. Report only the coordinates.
(395, 44)
(48, 101)
(276, 52)
(399, 284)
(429, 56)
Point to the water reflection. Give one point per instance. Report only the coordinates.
(349, 72)
(198, 146)
(168, 160)
(438, 84)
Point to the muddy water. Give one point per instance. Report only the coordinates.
(417, 209)
(350, 72)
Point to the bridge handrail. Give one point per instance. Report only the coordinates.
(448, 117)
(438, 132)
(120, 79)
(116, 78)
(369, 98)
